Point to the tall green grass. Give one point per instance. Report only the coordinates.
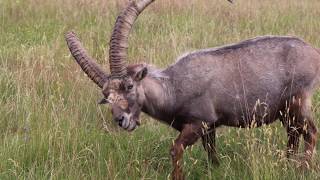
(52, 128)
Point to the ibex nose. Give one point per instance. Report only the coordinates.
(119, 120)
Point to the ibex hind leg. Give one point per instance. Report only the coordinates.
(309, 129)
(306, 124)
(300, 122)
(293, 133)
(310, 137)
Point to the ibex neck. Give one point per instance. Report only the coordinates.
(159, 97)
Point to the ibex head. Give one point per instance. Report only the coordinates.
(124, 96)
(121, 87)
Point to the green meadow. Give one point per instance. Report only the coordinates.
(51, 126)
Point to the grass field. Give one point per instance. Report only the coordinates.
(52, 128)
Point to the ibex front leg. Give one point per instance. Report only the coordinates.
(209, 144)
(188, 136)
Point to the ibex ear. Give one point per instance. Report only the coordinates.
(139, 72)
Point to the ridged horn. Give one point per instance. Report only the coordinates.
(119, 38)
(88, 64)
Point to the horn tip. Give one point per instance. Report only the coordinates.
(70, 34)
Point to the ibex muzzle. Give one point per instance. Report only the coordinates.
(247, 84)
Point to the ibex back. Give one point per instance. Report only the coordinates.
(247, 84)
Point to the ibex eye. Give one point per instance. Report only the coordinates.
(130, 87)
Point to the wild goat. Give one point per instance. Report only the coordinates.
(247, 84)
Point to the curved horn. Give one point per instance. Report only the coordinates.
(88, 65)
(119, 38)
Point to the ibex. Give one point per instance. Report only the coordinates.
(247, 84)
